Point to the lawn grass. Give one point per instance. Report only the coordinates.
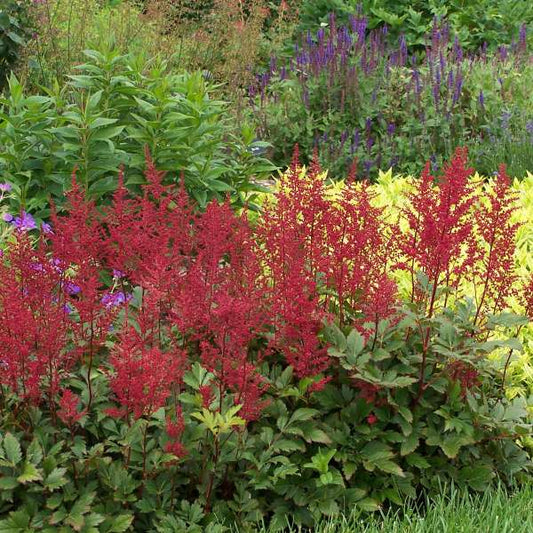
(494, 511)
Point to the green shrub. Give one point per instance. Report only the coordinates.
(14, 31)
(494, 22)
(106, 115)
(66, 28)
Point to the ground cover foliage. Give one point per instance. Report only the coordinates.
(450, 511)
(163, 366)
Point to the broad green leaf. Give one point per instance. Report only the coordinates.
(304, 413)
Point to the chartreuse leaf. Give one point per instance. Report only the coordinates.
(29, 473)
(320, 461)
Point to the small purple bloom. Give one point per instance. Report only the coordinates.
(114, 299)
(522, 38)
(506, 117)
(118, 273)
(72, 289)
(481, 99)
(6, 217)
(25, 222)
(5, 187)
(47, 229)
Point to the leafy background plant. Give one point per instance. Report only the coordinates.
(487, 21)
(356, 99)
(89, 124)
(15, 29)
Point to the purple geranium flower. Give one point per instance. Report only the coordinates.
(114, 299)
(24, 222)
(47, 229)
(72, 289)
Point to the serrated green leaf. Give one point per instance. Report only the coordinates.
(12, 448)
(29, 473)
(302, 414)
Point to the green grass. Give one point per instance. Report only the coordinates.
(495, 511)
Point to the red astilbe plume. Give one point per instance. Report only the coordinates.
(34, 325)
(76, 244)
(148, 229)
(220, 302)
(293, 248)
(69, 412)
(143, 376)
(494, 269)
(360, 251)
(174, 432)
(440, 228)
(527, 297)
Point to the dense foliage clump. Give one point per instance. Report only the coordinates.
(190, 358)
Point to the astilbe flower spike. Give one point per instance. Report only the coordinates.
(142, 376)
(34, 328)
(440, 229)
(292, 249)
(494, 267)
(69, 412)
(220, 304)
(360, 250)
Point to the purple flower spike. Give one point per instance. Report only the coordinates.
(481, 99)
